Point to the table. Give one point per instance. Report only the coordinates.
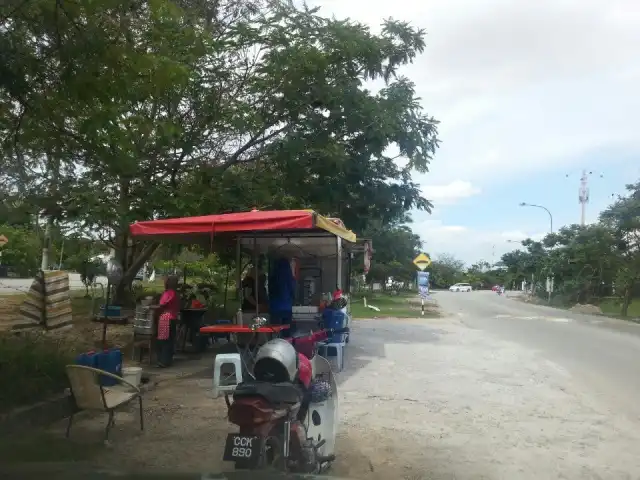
(245, 353)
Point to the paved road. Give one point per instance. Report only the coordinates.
(601, 352)
(10, 286)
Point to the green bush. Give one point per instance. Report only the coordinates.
(32, 367)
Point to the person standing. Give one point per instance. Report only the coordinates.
(250, 297)
(167, 328)
(282, 291)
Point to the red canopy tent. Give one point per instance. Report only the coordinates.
(253, 221)
(257, 230)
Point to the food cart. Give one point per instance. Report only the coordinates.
(318, 247)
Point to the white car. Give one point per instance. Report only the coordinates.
(460, 287)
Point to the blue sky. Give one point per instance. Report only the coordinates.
(526, 93)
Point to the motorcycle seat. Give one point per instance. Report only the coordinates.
(274, 393)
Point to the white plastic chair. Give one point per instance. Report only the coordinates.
(88, 394)
(221, 360)
(324, 351)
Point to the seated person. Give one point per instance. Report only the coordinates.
(251, 297)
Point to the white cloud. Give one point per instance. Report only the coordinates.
(519, 86)
(449, 193)
(467, 244)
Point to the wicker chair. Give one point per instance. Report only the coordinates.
(88, 394)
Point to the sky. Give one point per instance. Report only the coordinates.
(528, 95)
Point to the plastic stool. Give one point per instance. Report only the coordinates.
(221, 360)
(325, 351)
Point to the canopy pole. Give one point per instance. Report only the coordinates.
(238, 271)
(339, 260)
(255, 274)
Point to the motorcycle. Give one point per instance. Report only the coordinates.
(288, 415)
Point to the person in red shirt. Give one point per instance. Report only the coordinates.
(169, 310)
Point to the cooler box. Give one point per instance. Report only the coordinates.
(334, 319)
(112, 311)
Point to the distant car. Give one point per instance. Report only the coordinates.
(460, 287)
(495, 288)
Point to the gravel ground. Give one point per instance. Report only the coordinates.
(420, 399)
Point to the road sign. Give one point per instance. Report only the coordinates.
(3, 240)
(422, 261)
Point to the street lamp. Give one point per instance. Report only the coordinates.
(523, 204)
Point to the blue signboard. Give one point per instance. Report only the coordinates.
(423, 284)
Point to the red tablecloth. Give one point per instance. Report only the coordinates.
(242, 329)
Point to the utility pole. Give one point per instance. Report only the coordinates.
(583, 196)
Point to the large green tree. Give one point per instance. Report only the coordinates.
(623, 218)
(119, 110)
(395, 247)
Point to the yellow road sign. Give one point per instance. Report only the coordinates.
(3, 240)
(422, 261)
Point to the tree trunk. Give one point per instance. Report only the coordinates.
(46, 242)
(626, 301)
(135, 263)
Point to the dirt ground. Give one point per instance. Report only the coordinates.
(420, 399)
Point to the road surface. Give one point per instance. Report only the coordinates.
(601, 352)
(10, 286)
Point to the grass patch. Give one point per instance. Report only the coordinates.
(32, 367)
(612, 307)
(401, 305)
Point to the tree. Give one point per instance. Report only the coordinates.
(446, 270)
(22, 253)
(588, 263)
(120, 111)
(623, 217)
(395, 247)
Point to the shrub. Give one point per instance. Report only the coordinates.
(32, 367)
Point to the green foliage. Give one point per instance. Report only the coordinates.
(203, 268)
(117, 111)
(22, 253)
(446, 270)
(395, 247)
(31, 367)
(587, 262)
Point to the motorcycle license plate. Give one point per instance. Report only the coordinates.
(242, 448)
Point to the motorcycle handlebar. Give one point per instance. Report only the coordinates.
(320, 335)
(338, 331)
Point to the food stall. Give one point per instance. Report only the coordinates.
(319, 249)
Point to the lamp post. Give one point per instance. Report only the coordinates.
(523, 204)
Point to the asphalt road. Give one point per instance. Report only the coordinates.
(10, 286)
(600, 352)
